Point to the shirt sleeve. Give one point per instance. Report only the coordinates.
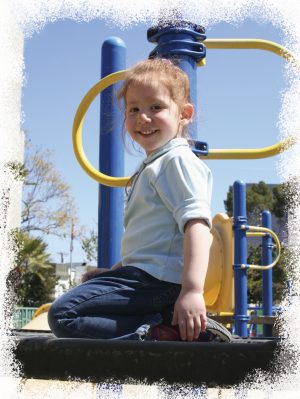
(185, 186)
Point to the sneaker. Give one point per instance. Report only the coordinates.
(217, 331)
(206, 336)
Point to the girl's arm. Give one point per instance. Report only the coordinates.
(189, 309)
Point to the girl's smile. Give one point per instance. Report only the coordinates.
(148, 133)
(152, 117)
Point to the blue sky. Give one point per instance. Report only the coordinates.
(238, 104)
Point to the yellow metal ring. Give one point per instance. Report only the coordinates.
(77, 132)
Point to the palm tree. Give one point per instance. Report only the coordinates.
(36, 275)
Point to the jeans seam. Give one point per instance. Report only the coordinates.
(61, 322)
(142, 327)
(86, 300)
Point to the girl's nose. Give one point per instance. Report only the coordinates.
(143, 117)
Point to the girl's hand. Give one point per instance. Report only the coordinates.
(190, 314)
(93, 273)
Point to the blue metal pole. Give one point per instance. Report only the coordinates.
(267, 248)
(111, 200)
(240, 258)
(180, 40)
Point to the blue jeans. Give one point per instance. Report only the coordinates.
(118, 304)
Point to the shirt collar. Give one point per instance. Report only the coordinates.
(179, 141)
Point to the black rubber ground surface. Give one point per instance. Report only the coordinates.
(215, 364)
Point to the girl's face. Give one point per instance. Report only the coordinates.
(152, 117)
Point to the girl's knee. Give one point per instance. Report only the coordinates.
(55, 317)
(52, 317)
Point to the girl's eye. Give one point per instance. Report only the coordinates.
(156, 107)
(133, 110)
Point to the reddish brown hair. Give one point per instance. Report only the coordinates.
(158, 71)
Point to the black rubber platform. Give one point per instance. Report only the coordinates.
(216, 364)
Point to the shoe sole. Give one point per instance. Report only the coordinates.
(219, 330)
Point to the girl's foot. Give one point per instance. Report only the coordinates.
(220, 333)
(214, 332)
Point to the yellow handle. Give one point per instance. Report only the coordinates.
(252, 153)
(258, 44)
(255, 231)
(253, 234)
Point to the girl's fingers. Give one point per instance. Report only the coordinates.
(189, 330)
(190, 326)
(182, 329)
(203, 322)
(197, 327)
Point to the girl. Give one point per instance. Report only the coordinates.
(156, 290)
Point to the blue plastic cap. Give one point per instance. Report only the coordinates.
(114, 41)
(239, 183)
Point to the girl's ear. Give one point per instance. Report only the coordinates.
(186, 115)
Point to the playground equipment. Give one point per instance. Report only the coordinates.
(39, 320)
(226, 283)
(184, 42)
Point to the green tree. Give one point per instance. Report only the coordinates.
(34, 276)
(47, 208)
(280, 277)
(258, 196)
(89, 244)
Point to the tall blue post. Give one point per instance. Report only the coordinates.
(180, 40)
(240, 258)
(267, 248)
(111, 200)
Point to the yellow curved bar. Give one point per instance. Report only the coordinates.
(258, 44)
(213, 153)
(252, 234)
(264, 230)
(42, 309)
(77, 132)
(252, 153)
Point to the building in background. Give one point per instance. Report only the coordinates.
(69, 275)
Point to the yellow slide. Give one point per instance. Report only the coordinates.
(39, 320)
(218, 289)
